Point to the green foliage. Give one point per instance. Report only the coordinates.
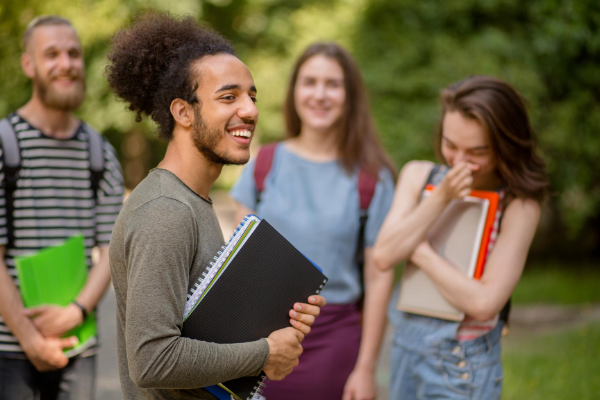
(559, 283)
(549, 50)
(408, 51)
(553, 366)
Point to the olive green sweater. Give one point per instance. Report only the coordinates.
(164, 237)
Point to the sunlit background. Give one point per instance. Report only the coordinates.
(408, 50)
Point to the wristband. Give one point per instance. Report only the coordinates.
(84, 313)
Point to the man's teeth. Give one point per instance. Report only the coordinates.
(241, 133)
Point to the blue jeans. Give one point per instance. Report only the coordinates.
(19, 380)
(428, 362)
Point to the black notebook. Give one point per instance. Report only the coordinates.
(247, 292)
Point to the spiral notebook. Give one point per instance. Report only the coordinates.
(246, 293)
(460, 235)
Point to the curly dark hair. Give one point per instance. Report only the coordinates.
(149, 64)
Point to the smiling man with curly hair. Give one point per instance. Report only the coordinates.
(189, 81)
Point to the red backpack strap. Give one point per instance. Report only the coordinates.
(264, 160)
(366, 189)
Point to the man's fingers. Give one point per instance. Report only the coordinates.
(318, 301)
(62, 362)
(308, 319)
(68, 342)
(347, 395)
(39, 321)
(33, 311)
(299, 335)
(307, 309)
(305, 329)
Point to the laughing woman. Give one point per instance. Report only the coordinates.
(311, 196)
(486, 143)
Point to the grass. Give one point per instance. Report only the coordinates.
(563, 365)
(559, 283)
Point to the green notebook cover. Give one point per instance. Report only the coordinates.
(56, 275)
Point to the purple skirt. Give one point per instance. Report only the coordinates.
(330, 352)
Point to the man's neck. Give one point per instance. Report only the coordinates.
(52, 122)
(188, 164)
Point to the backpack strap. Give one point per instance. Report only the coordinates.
(366, 190)
(264, 161)
(11, 156)
(96, 150)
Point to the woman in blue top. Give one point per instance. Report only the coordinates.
(486, 143)
(311, 196)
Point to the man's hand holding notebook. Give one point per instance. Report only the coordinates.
(284, 344)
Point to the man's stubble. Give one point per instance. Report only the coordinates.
(53, 98)
(206, 139)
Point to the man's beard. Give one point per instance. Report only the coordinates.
(52, 98)
(206, 140)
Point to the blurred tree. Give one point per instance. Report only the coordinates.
(548, 49)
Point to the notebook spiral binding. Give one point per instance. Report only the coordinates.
(210, 272)
(258, 389)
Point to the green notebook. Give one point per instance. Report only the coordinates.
(55, 275)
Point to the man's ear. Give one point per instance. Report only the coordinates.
(182, 112)
(27, 65)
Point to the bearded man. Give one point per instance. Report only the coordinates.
(51, 196)
(202, 97)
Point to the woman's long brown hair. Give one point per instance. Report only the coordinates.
(501, 110)
(358, 142)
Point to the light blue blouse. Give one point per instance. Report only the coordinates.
(315, 205)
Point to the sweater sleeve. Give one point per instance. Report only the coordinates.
(160, 245)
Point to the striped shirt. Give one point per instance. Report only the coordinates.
(54, 200)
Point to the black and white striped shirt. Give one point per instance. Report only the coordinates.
(54, 200)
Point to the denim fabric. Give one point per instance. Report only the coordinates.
(428, 362)
(19, 380)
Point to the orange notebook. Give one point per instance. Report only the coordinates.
(494, 200)
(461, 235)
